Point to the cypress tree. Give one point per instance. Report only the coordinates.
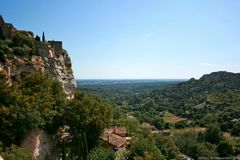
(43, 37)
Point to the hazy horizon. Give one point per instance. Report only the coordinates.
(137, 39)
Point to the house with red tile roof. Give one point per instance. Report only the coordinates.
(115, 137)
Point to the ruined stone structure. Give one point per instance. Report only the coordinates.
(56, 45)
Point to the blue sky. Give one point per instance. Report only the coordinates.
(137, 39)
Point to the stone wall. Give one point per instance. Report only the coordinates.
(57, 46)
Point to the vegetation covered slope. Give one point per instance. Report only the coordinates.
(40, 103)
(206, 108)
(37, 90)
(216, 94)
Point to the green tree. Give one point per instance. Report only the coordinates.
(21, 40)
(1, 34)
(206, 150)
(101, 154)
(37, 38)
(43, 37)
(132, 125)
(225, 148)
(87, 117)
(187, 142)
(167, 146)
(16, 153)
(213, 134)
(158, 122)
(236, 129)
(142, 146)
(26, 106)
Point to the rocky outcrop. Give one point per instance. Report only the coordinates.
(45, 57)
(46, 60)
(41, 145)
(57, 64)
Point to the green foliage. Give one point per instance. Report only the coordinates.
(141, 147)
(16, 153)
(187, 142)
(167, 146)
(213, 134)
(27, 106)
(180, 124)
(1, 34)
(131, 123)
(4, 50)
(43, 37)
(213, 101)
(158, 122)
(21, 40)
(225, 149)
(206, 150)
(19, 51)
(101, 154)
(37, 38)
(39, 92)
(209, 119)
(87, 116)
(213, 98)
(236, 129)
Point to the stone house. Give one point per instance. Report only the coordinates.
(115, 137)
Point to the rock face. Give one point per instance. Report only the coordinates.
(48, 57)
(46, 60)
(38, 143)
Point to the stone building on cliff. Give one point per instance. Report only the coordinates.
(49, 57)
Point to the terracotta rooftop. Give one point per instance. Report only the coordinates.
(121, 131)
(116, 137)
(115, 140)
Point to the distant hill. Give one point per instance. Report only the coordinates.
(216, 81)
(217, 94)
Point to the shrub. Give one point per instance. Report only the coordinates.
(18, 51)
(213, 134)
(225, 149)
(236, 129)
(101, 154)
(21, 40)
(1, 34)
(16, 153)
(2, 56)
